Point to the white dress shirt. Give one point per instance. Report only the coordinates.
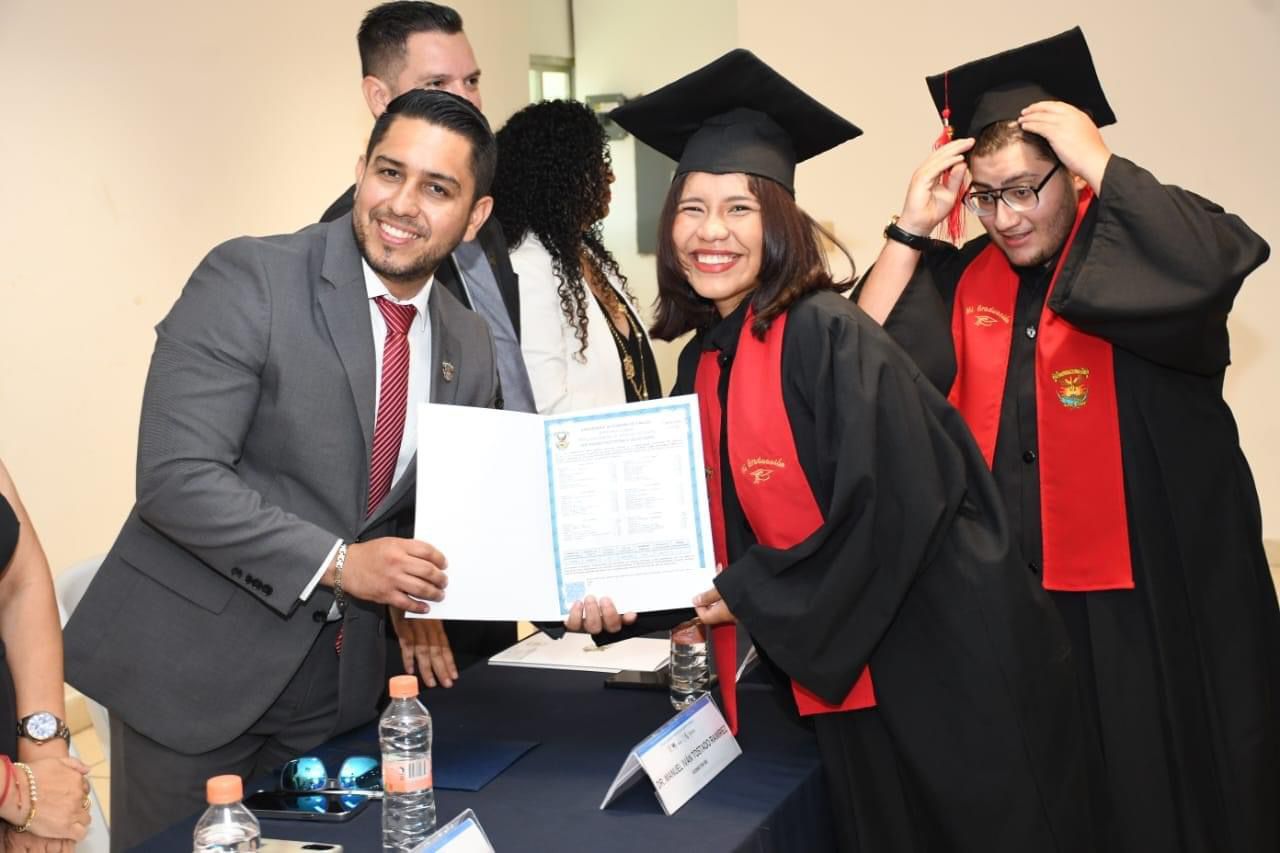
(419, 390)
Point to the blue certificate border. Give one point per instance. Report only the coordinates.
(548, 430)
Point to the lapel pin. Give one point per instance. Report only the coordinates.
(446, 370)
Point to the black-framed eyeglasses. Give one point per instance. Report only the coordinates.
(1019, 198)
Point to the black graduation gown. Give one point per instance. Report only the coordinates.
(1181, 675)
(975, 742)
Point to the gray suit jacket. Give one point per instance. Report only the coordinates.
(253, 458)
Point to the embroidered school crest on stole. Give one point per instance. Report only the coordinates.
(1073, 386)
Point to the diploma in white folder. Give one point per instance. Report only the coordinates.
(534, 512)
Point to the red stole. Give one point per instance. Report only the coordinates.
(1082, 505)
(771, 486)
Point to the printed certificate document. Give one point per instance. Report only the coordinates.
(534, 512)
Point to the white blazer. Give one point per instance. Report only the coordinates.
(562, 383)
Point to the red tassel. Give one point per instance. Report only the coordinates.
(953, 227)
(947, 130)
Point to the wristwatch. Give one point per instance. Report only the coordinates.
(43, 727)
(895, 232)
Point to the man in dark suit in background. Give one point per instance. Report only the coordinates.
(414, 45)
(238, 619)
(407, 45)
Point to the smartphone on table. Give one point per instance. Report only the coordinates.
(335, 806)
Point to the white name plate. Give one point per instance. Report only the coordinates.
(681, 757)
(463, 834)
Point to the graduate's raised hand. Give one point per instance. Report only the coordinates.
(1072, 135)
(711, 608)
(594, 616)
(934, 188)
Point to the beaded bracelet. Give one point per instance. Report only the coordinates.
(31, 785)
(8, 778)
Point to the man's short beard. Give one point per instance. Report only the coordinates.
(422, 269)
(1060, 227)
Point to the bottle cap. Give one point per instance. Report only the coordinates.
(403, 686)
(224, 790)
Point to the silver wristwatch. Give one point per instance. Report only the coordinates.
(42, 727)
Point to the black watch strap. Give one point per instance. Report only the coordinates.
(897, 234)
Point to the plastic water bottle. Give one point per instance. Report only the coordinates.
(226, 826)
(408, 802)
(688, 663)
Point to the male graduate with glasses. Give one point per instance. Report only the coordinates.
(1084, 340)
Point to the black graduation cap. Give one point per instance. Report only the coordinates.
(735, 115)
(999, 87)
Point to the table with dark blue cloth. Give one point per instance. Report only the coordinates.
(772, 798)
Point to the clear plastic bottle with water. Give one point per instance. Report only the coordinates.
(226, 826)
(408, 802)
(689, 673)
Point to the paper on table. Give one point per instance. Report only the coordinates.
(533, 513)
(579, 651)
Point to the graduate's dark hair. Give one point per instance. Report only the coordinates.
(447, 110)
(386, 29)
(793, 264)
(1002, 134)
(552, 178)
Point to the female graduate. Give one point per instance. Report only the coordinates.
(863, 544)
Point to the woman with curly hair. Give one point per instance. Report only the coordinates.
(581, 334)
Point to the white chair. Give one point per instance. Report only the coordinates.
(69, 588)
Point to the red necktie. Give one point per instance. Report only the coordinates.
(389, 428)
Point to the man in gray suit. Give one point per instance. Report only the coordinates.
(410, 44)
(239, 618)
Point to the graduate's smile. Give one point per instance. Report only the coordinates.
(1014, 239)
(719, 237)
(713, 262)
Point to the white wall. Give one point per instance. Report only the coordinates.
(136, 136)
(550, 32)
(1193, 86)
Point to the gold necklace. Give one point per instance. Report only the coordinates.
(629, 366)
(608, 302)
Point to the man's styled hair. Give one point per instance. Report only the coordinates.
(447, 110)
(793, 264)
(386, 28)
(1002, 134)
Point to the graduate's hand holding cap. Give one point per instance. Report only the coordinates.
(1072, 135)
(935, 188)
